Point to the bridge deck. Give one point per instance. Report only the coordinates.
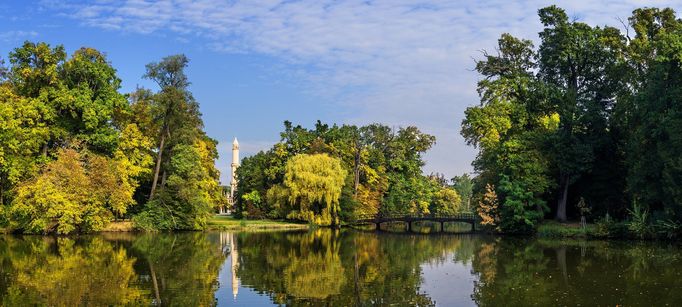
(376, 219)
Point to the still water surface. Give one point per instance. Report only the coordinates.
(334, 268)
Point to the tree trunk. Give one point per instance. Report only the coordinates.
(163, 179)
(561, 262)
(158, 165)
(356, 173)
(561, 206)
(356, 275)
(155, 284)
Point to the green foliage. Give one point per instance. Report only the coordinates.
(510, 127)
(464, 185)
(184, 187)
(639, 223)
(382, 170)
(314, 184)
(551, 229)
(187, 197)
(589, 112)
(78, 192)
(655, 115)
(607, 227)
(521, 211)
(446, 201)
(75, 153)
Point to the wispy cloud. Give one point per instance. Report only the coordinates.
(18, 35)
(400, 62)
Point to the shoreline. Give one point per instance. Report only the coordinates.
(546, 230)
(226, 222)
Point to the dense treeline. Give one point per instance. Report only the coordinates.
(76, 153)
(333, 173)
(593, 114)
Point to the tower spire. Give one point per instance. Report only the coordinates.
(235, 165)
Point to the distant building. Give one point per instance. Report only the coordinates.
(229, 193)
(233, 175)
(224, 192)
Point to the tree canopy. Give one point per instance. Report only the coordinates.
(589, 114)
(76, 153)
(347, 170)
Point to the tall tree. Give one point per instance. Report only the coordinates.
(510, 128)
(464, 185)
(579, 64)
(655, 115)
(175, 110)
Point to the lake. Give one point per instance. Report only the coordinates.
(334, 268)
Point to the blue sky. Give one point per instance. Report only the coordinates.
(257, 63)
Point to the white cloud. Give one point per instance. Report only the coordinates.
(13, 36)
(406, 62)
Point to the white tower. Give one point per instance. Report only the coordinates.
(235, 165)
(234, 266)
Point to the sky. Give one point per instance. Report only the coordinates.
(256, 63)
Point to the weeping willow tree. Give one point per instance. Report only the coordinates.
(313, 184)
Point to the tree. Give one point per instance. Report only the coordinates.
(446, 201)
(488, 207)
(655, 116)
(78, 192)
(24, 132)
(184, 186)
(511, 126)
(190, 192)
(314, 184)
(580, 66)
(464, 186)
(382, 165)
(174, 109)
(521, 211)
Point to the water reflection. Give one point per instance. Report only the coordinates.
(337, 268)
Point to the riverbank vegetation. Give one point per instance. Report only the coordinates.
(76, 153)
(224, 222)
(592, 113)
(330, 174)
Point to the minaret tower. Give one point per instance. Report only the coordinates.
(235, 165)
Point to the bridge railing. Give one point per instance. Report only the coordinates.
(388, 216)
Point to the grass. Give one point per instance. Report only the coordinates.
(225, 222)
(551, 229)
(119, 226)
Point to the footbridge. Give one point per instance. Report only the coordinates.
(377, 219)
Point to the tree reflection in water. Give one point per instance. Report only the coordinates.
(337, 268)
(124, 269)
(340, 268)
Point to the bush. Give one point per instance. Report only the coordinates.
(667, 228)
(556, 230)
(639, 222)
(609, 228)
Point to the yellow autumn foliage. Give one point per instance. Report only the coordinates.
(314, 184)
(77, 192)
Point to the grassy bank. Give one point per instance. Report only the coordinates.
(551, 229)
(223, 222)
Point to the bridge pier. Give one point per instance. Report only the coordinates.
(376, 220)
